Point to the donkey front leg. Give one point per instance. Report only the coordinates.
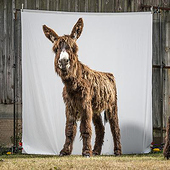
(70, 133)
(99, 130)
(86, 130)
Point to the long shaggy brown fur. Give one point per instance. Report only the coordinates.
(86, 94)
(166, 150)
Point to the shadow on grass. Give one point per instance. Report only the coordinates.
(14, 156)
(26, 156)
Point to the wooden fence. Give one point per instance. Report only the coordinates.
(10, 47)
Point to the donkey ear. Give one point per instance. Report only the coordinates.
(77, 29)
(50, 34)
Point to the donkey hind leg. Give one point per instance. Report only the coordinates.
(99, 131)
(70, 133)
(114, 125)
(86, 130)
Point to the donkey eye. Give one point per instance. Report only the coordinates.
(55, 50)
(74, 49)
(67, 47)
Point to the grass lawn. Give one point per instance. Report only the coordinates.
(24, 162)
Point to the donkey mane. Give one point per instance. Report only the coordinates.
(86, 94)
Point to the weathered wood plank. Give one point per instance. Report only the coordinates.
(10, 57)
(93, 6)
(156, 107)
(12, 47)
(132, 6)
(37, 4)
(52, 5)
(47, 5)
(166, 97)
(57, 6)
(156, 43)
(72, 6)
(63, 5)
(5, 55)
(83, 5)
(1, 49)
(76, 5)
(167, 72)
(18, 4)
(18, 58)
(25, 4)
(157, 2)
(129, 6)
(30, 4)
(137, 5)
(167, 40)
(108, 6)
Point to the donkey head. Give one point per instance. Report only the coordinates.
(65, 47)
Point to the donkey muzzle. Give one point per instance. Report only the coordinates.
(63, 61)
(63, 64)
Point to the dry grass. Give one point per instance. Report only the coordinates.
(148, 161)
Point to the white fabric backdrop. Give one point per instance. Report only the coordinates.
(118, 43)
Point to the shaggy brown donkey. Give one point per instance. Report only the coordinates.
(166, 150)
(86, 94)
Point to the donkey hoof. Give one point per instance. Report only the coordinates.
(86, 156)
(63, 154)
(118, 153)
(95, 153)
